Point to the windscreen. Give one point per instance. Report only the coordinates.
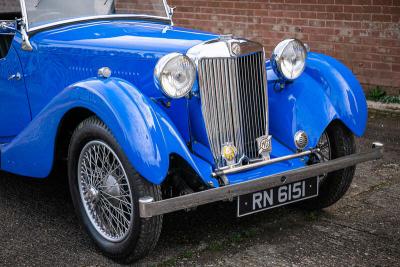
(42, 12)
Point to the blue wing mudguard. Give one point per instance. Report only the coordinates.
(325, 92)
(140, 126)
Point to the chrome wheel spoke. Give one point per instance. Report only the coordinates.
(114, 185)
(325, 151)
(109, 197)
(119, 211)
(105, 191)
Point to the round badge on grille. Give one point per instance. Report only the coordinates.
(264, 146)
(229, 153)
(236, 49)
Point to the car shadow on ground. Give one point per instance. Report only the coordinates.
(46, 205)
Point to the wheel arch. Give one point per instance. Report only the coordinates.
(121, 106)
(142, 129)
(326, 92)
(66, 127)
(338, 121)
(181, 178)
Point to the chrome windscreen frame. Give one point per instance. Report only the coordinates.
(168, 19)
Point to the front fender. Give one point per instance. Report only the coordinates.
(140, 126)
(326, 91)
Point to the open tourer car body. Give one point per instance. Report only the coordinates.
(151, 118)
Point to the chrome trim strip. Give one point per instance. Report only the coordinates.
(227, 170)
(149, 208)
(222, 47)
(82, 19)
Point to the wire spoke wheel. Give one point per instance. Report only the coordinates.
(105, 188)
(336, 142)
(325, 153)
(105, 191)
(325, 147)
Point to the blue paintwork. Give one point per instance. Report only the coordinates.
(64, 56)
(60, 75)
(14, 106)
(326, 91)
(140, 126)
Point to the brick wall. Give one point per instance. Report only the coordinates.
(364, 34)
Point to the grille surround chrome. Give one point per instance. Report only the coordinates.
(234, 98)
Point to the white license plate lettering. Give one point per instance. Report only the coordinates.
(291, 192)
(257, 198)
(298, 190)
(263, 199)
(282, 194)
(277, 196)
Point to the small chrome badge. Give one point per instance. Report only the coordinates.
(264, 146)
(104, 72)
(236, 49)
(301, 140)
(229, 153)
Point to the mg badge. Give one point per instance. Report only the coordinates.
(264, 146)
(236, 49)
(229, 153)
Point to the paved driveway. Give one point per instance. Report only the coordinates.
(38, 225)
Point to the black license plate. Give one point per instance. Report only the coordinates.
(277, 196)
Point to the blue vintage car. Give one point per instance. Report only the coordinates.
(150, 118)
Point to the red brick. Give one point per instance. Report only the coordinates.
(364, 34)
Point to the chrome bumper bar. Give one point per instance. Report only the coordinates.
(227, 170)
(149, 208)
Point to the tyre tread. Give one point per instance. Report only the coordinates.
(150, 228)
(337, 182)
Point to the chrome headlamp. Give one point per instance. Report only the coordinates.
(289, 59)
(175, 75)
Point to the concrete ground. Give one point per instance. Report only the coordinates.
(38, 225)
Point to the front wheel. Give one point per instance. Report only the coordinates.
(105, 191)
(337, 141)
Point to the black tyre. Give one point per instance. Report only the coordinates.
(105, 191)
(337, 141)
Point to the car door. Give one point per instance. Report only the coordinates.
(14, 105)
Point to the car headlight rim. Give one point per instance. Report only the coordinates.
(278, 59)
(167, 82)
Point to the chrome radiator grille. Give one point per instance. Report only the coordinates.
(234, 103)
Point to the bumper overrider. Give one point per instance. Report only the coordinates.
(149, 208)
